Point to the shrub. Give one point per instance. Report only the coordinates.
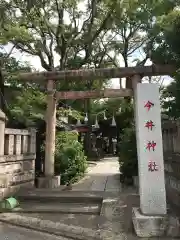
(128, 155)
(70, 160)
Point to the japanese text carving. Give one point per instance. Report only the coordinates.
(148, 105)
(149, 125)
(152, 166)
(151, 146)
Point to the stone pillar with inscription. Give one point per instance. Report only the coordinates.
(150, 219)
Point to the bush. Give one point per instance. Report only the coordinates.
(70, 161)
(128, 155)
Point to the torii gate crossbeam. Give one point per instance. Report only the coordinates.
(99, 73)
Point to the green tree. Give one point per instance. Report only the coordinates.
(63, 34)
(11, 66)
(165, 49)
(29, 107)
(170, 99)
(166, 37)
(26, 103)
(132, 26)
(66, 30)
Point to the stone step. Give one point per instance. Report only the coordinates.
(11, 232)
(56, 208)
(52, 227)
(60, 196)
(90, 221)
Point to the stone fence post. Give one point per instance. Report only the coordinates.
(32, 142)
(2, 130)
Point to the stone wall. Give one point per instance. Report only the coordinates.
(171, 145)
(17, 158)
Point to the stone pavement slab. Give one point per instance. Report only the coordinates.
(113, 184)
(58, 208)
(9, 232)
(51, 227)
(83, 220)
(104, 176)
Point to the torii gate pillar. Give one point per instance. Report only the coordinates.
(150, 219)
(50, 180)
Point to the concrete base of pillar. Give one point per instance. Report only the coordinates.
(49, 182)
(149, 226)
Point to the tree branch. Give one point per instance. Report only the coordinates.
(88, 45)
(43, 62)
(24, 47)
(113, 61)
(135, 48)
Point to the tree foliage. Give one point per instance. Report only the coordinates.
(166, 36)
(170, 99)
(165, 50)
(11, 66)
(70, 160)
(65, 30)
(75, 34)
(29, 107)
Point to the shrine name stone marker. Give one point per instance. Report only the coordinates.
(150, 162)
(150, 150)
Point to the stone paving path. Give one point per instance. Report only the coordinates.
(116, 213)
(114, 221)
(9, 232)
(103, 176)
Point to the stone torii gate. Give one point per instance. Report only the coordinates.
(150, 219)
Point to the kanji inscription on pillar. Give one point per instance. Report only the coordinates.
(152, 166)
(149, 125)
(151, 145)
(149, 105)
(150, 151)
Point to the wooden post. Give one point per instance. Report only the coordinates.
(50, 130)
